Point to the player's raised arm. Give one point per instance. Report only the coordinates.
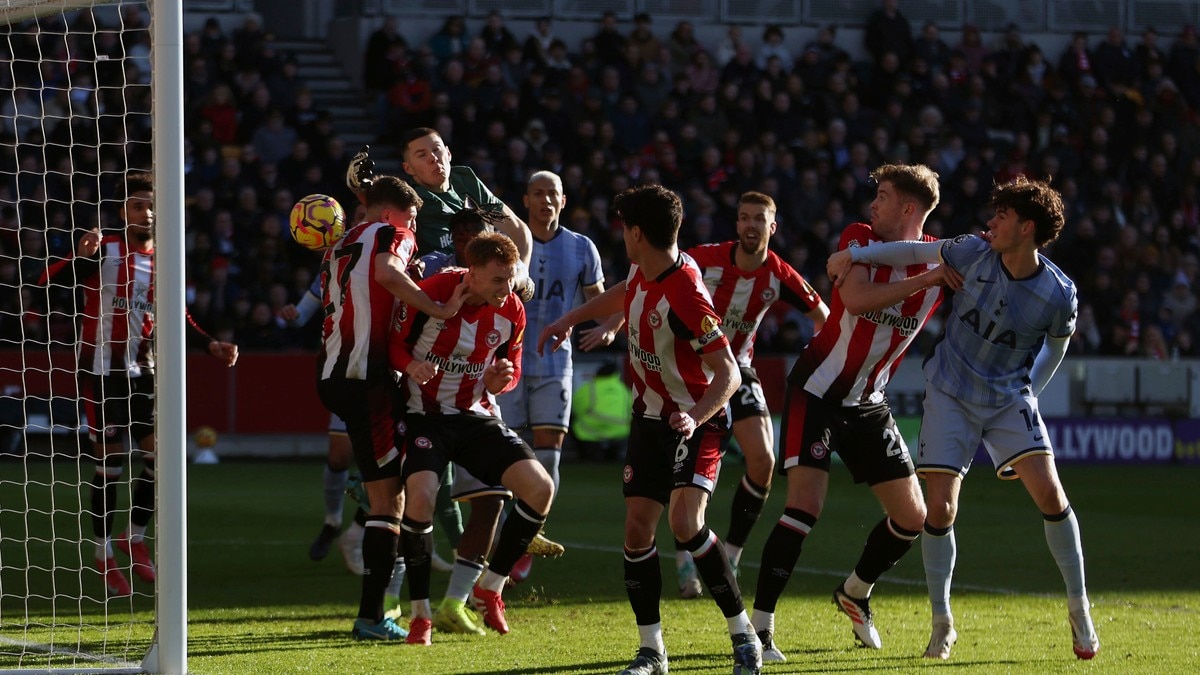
(390, 273)
(861, 295)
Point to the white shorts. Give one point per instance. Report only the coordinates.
(537, 403)
(467, 487)
(951, 431)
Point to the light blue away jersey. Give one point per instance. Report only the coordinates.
(560, 268)
(996, 324)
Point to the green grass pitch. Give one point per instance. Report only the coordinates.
(258, 605)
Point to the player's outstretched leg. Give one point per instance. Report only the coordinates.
(886, 544)
(1062, 536)
(779, 557)
(938, 550)
(643, 586)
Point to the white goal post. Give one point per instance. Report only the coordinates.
(55, 614)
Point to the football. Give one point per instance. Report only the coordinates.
(206, 437)
(317, 222)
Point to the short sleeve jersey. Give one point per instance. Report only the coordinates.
(433, 220)
(997, 324)
(358, 310)
(560, 268)
(118, 311)
(741, 298)
(671, 323)
(853, 357)
(462, 347)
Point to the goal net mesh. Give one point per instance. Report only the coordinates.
(74, 119)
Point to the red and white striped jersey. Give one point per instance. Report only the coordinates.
(851, 360)
(741, 298)
(118, 311)
(358, 310)
(671, 322)
(462, 347)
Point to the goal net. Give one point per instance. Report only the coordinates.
(75, 117)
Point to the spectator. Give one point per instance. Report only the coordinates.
(1115, 63)
(773, 46)
(971, 48)
(451, 40)
(681, 44)
(497, 39)
(1076, 62)
(702, 74)
(273, 141)
(931, 48)
(379, 57)
(888, 30)
(537, 45)
(643, 38)
(609, 42)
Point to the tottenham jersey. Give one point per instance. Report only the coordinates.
(997, 324)
(560, 268)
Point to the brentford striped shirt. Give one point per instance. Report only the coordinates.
(742, 298)
(851, 360)
(462, 347)
(358, 310)
(118, 311)
(671, 323)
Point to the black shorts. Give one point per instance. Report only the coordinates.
(866, 438)
(484, 446)
(748, 400)
(116, 403)
(659, 459)
(372, 413)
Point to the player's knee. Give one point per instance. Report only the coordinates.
(940, 513)
(418, 497)
(535, 487)
(638, 535)
(761, 468)
(684, 524)
(1050, 498)
(910, 518)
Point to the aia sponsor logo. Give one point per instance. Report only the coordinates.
(493, 338)
(818, 450)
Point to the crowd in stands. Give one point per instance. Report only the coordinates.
(1112, 124)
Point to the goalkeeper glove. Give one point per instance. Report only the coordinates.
(361, 172)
